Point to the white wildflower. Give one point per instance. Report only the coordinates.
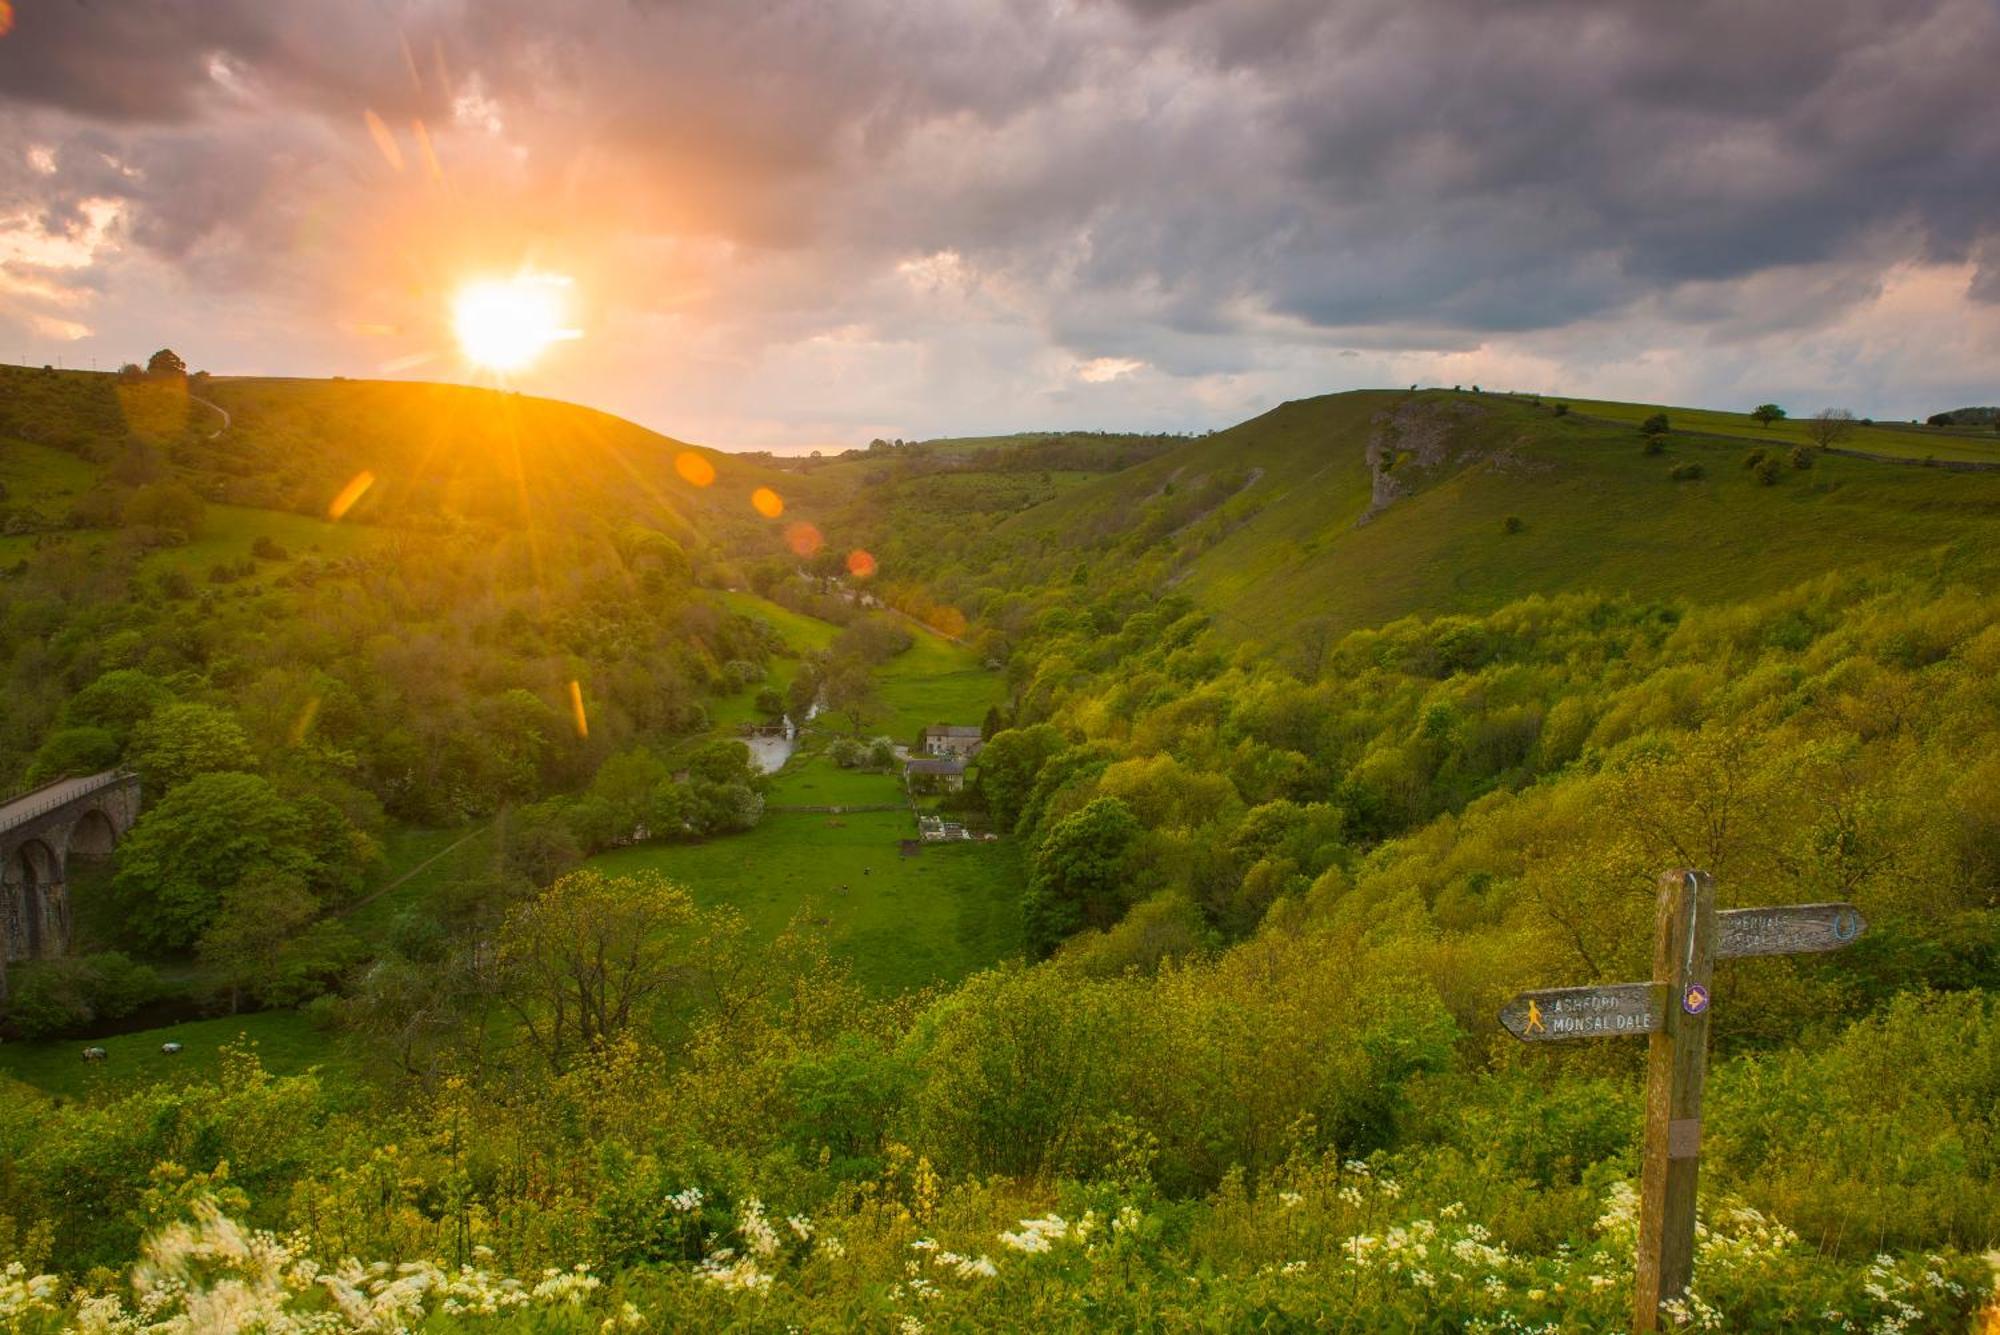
(1037, 1235)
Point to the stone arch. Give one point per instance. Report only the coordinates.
(36, 874)
(92, 837)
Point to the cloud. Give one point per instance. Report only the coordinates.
(867, 212)
(1099, 370)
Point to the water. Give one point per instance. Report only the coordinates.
(770, 753)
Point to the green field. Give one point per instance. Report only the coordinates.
(902, 922)
(935, 680)
(45, 478)
(228, 530)
(287, 1043)
(803, 634)
(813, 780)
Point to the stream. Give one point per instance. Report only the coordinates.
(770, 753)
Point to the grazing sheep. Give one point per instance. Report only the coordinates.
(171, 1049)
(95, 1054)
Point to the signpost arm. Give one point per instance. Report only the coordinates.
(1676, 1062)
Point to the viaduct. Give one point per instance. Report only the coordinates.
(41, 832)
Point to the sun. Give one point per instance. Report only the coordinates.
(504, 324)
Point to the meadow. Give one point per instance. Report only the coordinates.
(287, 1043)
(935, 680)
(901, 922)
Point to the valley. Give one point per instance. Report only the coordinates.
(1294, 750)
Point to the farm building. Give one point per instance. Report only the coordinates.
(934, 774)
(946, 739)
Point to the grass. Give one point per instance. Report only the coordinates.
(287, 1043)
(902, 922)
(813, 780)
(802, 634)
(228, 531)
(416, 863)
(43, 478)
(935, 680)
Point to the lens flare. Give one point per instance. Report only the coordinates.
(804, 539)
(694, 468)
(303, 723)
(349, 494)
(860, 564)
(6, 18)
(576, 707)
(385, 139)
(504, 324)
(767, 503)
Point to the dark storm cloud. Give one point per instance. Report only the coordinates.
(1166, 180)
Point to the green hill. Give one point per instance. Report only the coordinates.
(1363, 507)
(434, 455)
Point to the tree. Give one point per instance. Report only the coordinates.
(169, 506)
(591, 954)
(1767, 413)
(244, 944)
(202, 838)
(166, 362)
(73, 751)
(850, 690)
(178, 741)
(1008, 766)
(1077, 879)
(1829, 426)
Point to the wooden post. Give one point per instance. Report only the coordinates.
(1677, 1060)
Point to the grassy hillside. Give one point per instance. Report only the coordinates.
(434, 454)
(1907, 440)
(1490, 499)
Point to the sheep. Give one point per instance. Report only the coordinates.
(95, 1054)
(171, 1049)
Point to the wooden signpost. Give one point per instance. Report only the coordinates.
(1689, 936)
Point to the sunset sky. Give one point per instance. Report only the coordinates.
(799, 225)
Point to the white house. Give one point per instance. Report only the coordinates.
(952, 740)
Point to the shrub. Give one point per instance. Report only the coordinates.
(1802, 456)
(1513, 524)
(1655, 445)
(1752, 459)
(1767, 472)
(1655, 425)
(1562, 410)
(58, 996)
(267, 548)
(1687, 472)
(846, 752)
